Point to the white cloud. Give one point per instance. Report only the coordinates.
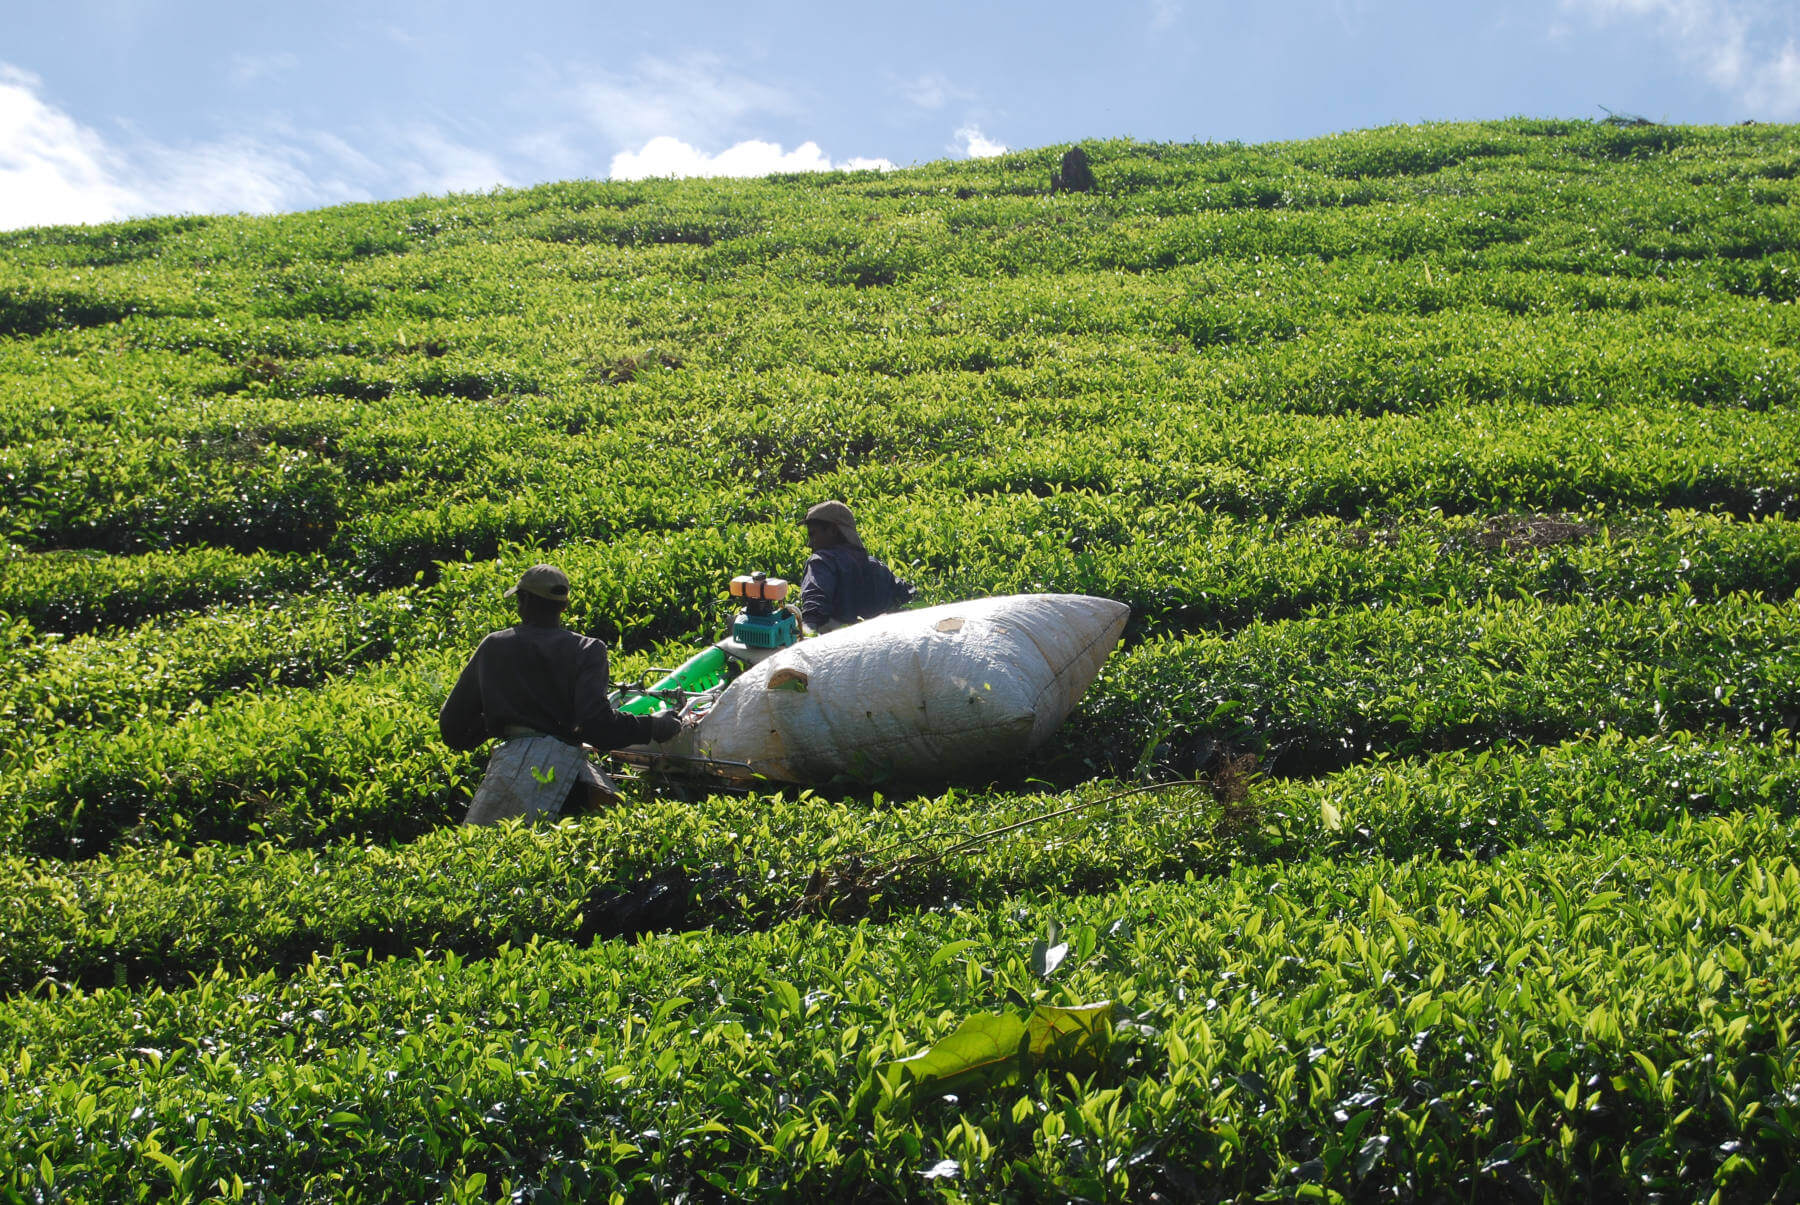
(56, 171)
(436, 163)
(52, 169)
(665, 156)
(663, 110)
(1164, 14)
(690, 98)
(1749, 49)
(235, 176)
(972, 142)
(341, 155)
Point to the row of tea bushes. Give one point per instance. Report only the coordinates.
(1595, 1019)
(1177, 566)
(161, 672)
(73, 593)
(1460, 461)
(1183, 570)
(359, 755)
(164, 914)
(250, 496)
(1323, 690)
(1180, 570)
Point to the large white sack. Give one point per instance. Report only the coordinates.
(936, 693)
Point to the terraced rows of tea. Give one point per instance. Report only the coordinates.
(1431, 835)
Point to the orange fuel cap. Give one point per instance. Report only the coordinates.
(757, 586)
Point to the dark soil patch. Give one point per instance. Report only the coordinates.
(1525, 532)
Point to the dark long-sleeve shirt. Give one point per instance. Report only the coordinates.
(542, 677)
(845, 584)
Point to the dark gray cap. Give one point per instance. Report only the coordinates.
(831, 512)
(839, 516)
(543, 581)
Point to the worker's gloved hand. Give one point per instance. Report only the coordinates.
(664, 726)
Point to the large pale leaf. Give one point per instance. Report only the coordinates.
(984, 1048)
(993, 1048)
(1069, 1036)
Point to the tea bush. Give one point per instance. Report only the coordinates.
(163, 913)
(1584, 1019)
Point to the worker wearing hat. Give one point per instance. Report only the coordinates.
(541, 690)
(843, 583)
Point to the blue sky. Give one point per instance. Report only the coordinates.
(119, 108)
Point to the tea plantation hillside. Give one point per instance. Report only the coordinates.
(1431, 835)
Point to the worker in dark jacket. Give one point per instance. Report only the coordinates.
(843, 583)
(541, 691)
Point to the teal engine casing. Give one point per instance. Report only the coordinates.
(775, 631)
(763, 623)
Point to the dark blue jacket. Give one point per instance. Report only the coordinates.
(847, 584)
